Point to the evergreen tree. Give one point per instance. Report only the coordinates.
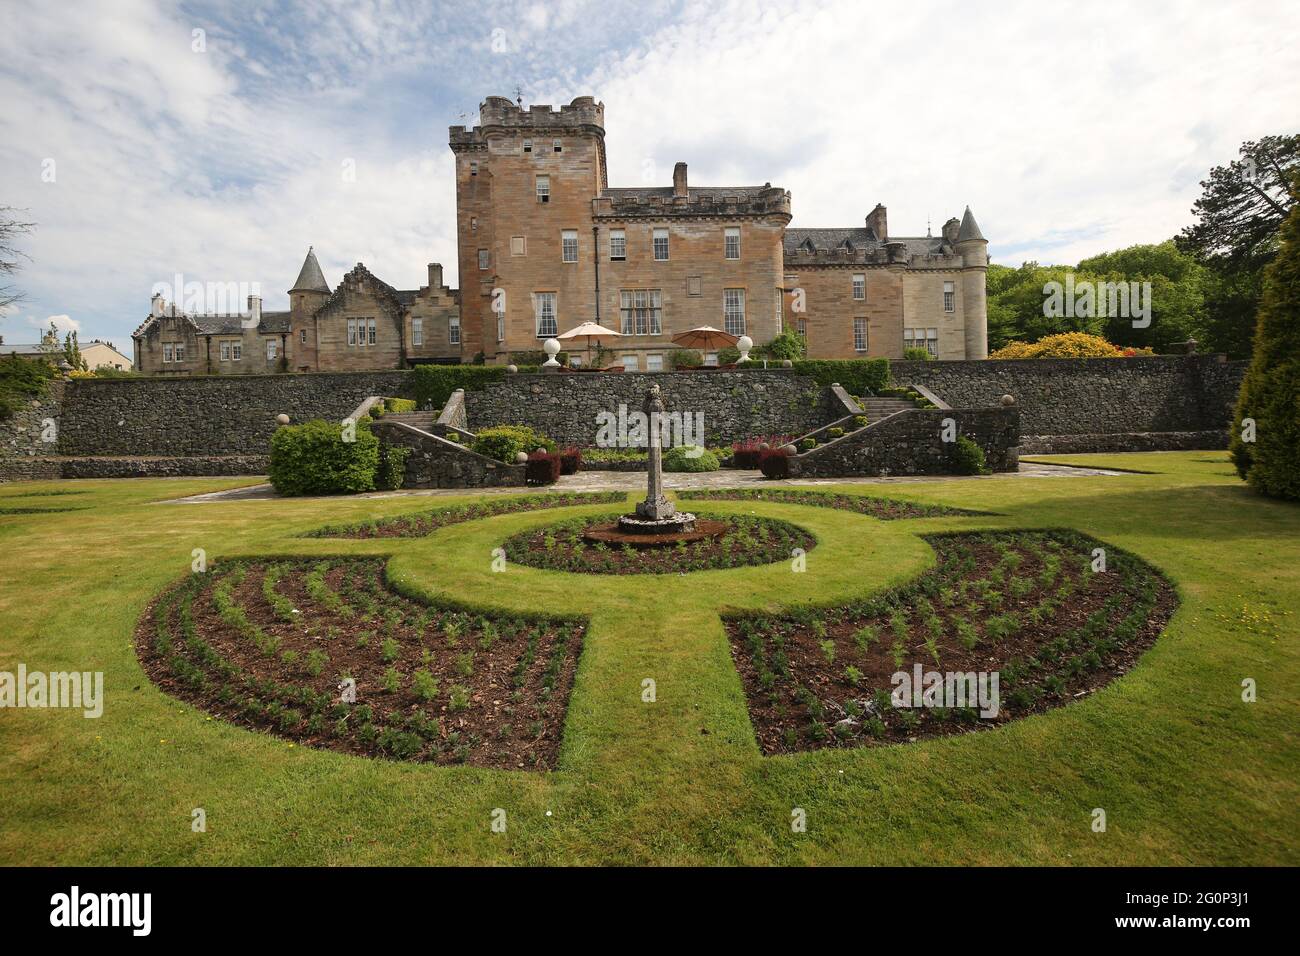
(1270, 394)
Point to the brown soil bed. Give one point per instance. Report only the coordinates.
(886, 509)
(1026, 605)
(736, 541)
(611, 533)
(421, 523)
(432, 682)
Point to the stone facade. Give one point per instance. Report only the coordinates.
(862, 293)
(526, 179)
(362, 324)
(734, 405)
(910, 443)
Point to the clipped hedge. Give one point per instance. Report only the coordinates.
(313, 459)
(433, 384)
(968, 458)
(392, 467)
(774, 463)
(857, 376)
(678, 458)
(504, 442)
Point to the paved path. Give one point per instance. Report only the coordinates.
(635, 481)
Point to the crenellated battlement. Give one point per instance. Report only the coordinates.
(497, 113)
(707, 202)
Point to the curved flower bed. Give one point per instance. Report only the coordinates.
(1025, 608)
(747, 541)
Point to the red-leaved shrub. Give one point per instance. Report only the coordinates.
(543, 468)
(570, 460)
(774, 463)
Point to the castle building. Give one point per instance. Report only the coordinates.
(544, 244)
(362, 324)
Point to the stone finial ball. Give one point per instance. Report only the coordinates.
(786, 363)
(282, 418)
(551, 347)
(540, 451)
(1008, 400)
(835, 384)
(790, 449)
(512, 369)
(744, 343)
(763, 446)
(521, 458)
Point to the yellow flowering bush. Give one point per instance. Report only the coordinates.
(1067, 345)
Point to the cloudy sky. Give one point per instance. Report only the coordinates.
(142, 149)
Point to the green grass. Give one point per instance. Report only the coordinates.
(1187, 772)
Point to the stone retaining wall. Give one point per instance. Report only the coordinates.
(1117, 397)
(910, 443)
(207, 415)
(735, 405)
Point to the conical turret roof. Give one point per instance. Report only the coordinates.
(969, 228)
(311, 279)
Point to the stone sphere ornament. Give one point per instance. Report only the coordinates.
(282, 418)
(1008, 400)
(786, 363)
(521, 458)
(512, 369)
(744, 343)
(552, 348)
(790, 449)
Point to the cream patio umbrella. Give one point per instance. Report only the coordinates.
(589, 331)
(705, 339)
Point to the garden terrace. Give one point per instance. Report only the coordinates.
(1026, 605)
(421, 523)
(270, 644)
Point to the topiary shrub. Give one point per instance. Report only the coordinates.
(313, 459)
(687, 358)
(504, 442)
(392, 467)
(570, 460)
(915, 354)
(968, 458)
(808, 444)
(678, 458)
(774, 463)
(834, 431)
(1270, 393)
(861, 421)
(543, 468)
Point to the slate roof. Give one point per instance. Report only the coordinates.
(272, 323)
(860, 238)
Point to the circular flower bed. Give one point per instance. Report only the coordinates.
(745, 541)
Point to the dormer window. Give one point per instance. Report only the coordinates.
(807, 246)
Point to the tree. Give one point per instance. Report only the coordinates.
(10, 257)
(1270, 395)
(1243, 204)
(72, 352)
(1241, 208)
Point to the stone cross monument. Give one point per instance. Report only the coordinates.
(656, 506)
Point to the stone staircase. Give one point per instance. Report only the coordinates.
(421, 420)
(877, 408)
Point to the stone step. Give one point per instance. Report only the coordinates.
(421, 420)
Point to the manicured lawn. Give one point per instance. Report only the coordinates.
(1186, 772)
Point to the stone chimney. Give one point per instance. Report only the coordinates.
(951, 228)
(679, 181)
(157, 307)
(878, 223)
(254, 310)
(435, 276)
